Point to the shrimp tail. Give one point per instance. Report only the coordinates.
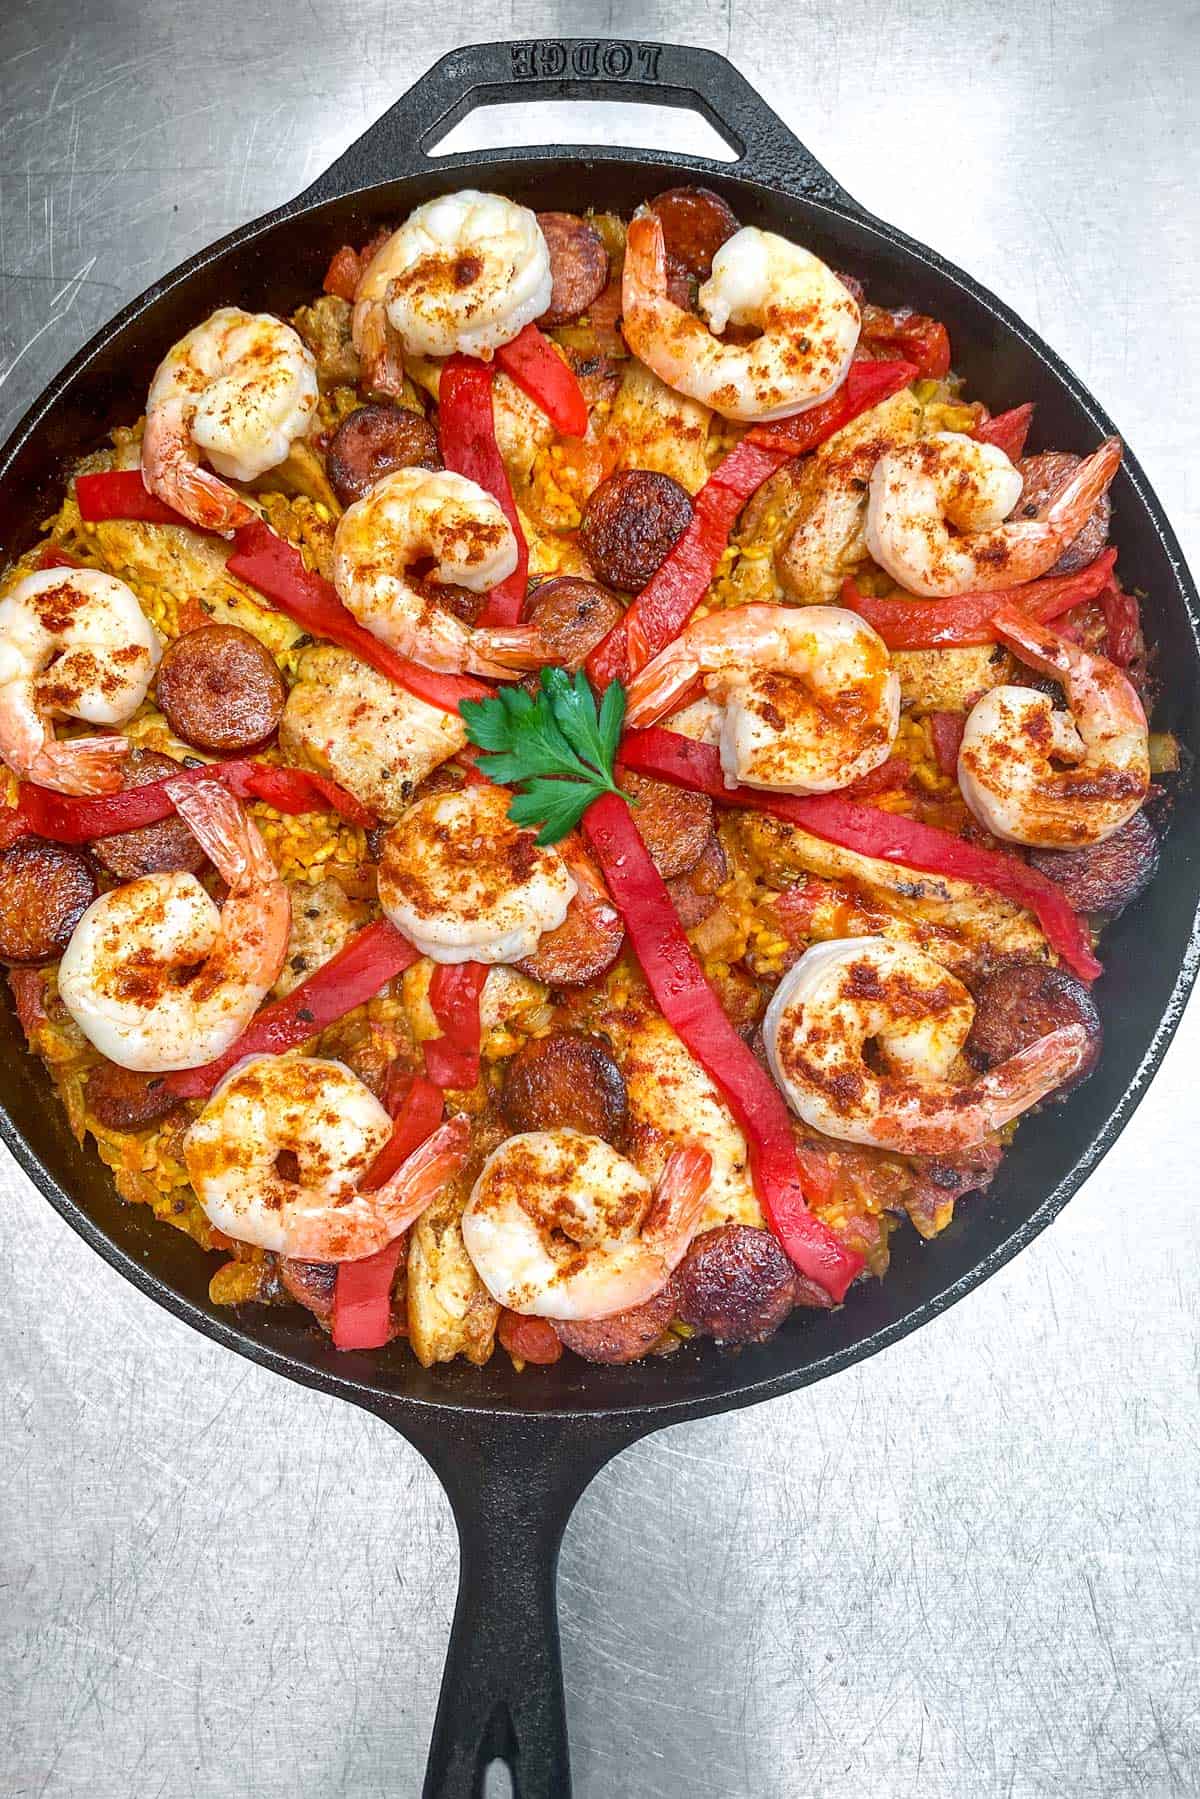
(80, 765)
(170, 470)
(377, 345)
(1086, 677)
(421, 1176)
(972, 1113)
(224, 833)
(660, 684)
(679, 1200)
(644, 274)
(500, 650)
(1068, 512)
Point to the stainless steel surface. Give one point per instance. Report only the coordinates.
(967, 1568)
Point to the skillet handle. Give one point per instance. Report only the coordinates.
(621, 69)
(513, 1484)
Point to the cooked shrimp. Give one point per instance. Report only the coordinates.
(855, 992)
(559, 1225)
(74, 643)
(239, 389)
(808, 324)
(156, 976)
(465, 884)
(1010, 764)
(331, 1127)
(809, 699)
(413, 518)
(938, 515)
(467, 271)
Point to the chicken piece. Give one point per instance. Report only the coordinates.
(650, 426)
(450, 1311)
(324, 919)
(950, 680)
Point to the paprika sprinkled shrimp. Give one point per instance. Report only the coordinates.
(74, 643)
(559, 1225)
(1015, 744)
(938, 515)
(322, 1115)
(854, 991)
(809, 700)
(417, 517)
(465, 884)
(466, 272)
(238, 389)
(808, 323)
(122, 975)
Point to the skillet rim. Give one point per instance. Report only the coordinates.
(662, 1410)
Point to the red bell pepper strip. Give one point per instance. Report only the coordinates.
(886, 836)
(371, 958)
(362, 1291)
(946, 729)
(452, 1060)
(271, 566)
(121, 493)
(65, 818)
(867, 385)
(691, 1007)
(922, 340)
(1008, 430)
(674, 591)
(911, 624)
(467, 433)
(538, 370)
(1122, 623)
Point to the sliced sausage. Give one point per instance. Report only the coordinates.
(311, 1284)
(221, 689)
(674, 826)
(45, 888)
(1105, 877)
(735, 1284)
(151, 849)
(1022, 1001)
(695, 223)
(694, 895)
(631, 523)
(582, 948)
(372, 442)
(625, 1337)
(573, 616)
(123, 1099)
(578, 265)
(565, 1081)
(1044, 476)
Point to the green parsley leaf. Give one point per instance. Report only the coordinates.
(552, 746)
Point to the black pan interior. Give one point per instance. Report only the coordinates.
(277, 265)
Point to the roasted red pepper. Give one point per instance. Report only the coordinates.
(66, 818)
(343, 274)
(910, 624)
(270, 565)
(912, 335)
(691, 1007)
(1122, 623)
(532, 1340)
(121, 493)
(452, 1060)
(1008, 430)
(416, 1106)
(467, 433)
(887, 836)
(372, 958)
(946, 729)
(538, 370)
(672, 594)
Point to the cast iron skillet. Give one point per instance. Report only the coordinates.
(515, 1453)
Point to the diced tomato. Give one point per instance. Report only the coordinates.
(342, 275)
(529, 1339)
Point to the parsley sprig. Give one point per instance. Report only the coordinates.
(554, 747)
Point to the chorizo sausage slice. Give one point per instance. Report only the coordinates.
(151, 849)
(1105, 877)
(1019, 1002)
(45, 888)
(221, 689)
(625, 1337)
(1044, 475)
(674, 826)
(310, 1284)
(735, 1284)
(694, 894)
(582, 949)
(578, 265)
(566, 1081)
(373, 441)
(695, 223)
(630, 525)
(572, 616)
(124, 1099)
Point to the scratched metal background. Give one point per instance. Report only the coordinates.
(967, 1568)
